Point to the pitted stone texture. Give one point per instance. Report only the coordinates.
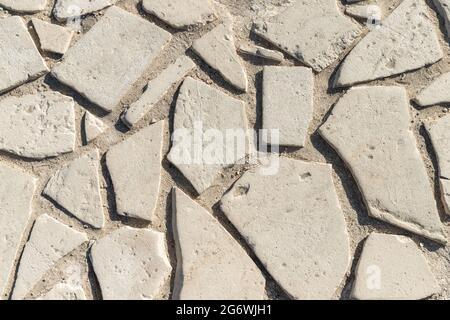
(370, 129)
(20, 60)
(287, 103)
(104, 64)
(25, 6)
(211, 264)
(365, 12)
(93, 126)
(64, 291)
(76, 188)
(203, 111)
(37, 126)
(436, 93)
(181, 13)
(50, 240)
(443, 8)
(261, 52)
(66, 9)
(294, 223)
(314, 32)
(405, 41)
(135, 169)
(392, 267)
(16, 193)
(53, 38)
(131, 264)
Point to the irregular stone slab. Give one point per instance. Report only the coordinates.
(157, 88)
(16, 193)
(38, 125)
(436, 93)
(294, 223)
(76, 188)
(135, 169)
(107, 61)
(206, 254)
(261, 52)
(205, 113)
(131, 264)
(93, 126)
(64, 291)
(66, 9)
(315, 34)
(217, 49)
(181, 13)
(443, 9)
(288, 103)
(20, 60)
(50, 240)
(53, 38)
(25, 6)
(365, 12)
(370, 129)
(392, 267)
(405, 41)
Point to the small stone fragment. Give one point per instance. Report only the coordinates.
(211, 264)
(107, 61)
(392, 267)
(181, 14)
(20, 60)
(37, 126)
(76, 188)
(16, 193)
(50, 240)
(443, 9)
(217, 49)
(157, 88)
(405, 41)
(436, 93)
(93, 126)
(365, 12)
(288, 103)
(261, 52)
(135, 169)
(369, 128)
(24, 6)
(64, 291)
(53, 38)
(67, 9)
(131, 264)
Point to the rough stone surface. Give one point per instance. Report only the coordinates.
(314, 32)
(76, 188)
(25, 6)
(93, 127)
(38, 125)
(135, 169)
(50, 240)
(131, 264)
(16, 192)
(66, 9)
(261, 52)
(443, 8)
(211, 264)
(364, 12)
(20, 60)
(436, 93)
(369, 128)
(53, 38)
(64, 291)
(405, 41)
(288, 103)
(107, 61)
(392, 267)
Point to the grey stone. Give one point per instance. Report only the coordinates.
(437, 92)
(93, 126)
(69, 9)
(261, 52)
(24, 6)
(53, 38)
(443, 8)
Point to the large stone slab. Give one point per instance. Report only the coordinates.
(369, 128)
(210, 263)
(443, 8)
(69, 9)
(16, 193)
(50, 240)
(131, 264)
(314, 32)
(104, 64)
(37, 126)
(294, 223)
(52, 37)
(25, 6)
(135, 169)
(405, 41)
(20, 60)
(437, 92)
(93, 126)
(392, 267)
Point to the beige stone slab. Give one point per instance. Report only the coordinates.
(52, 37)
(69, 9)
(437, 92)
(261, 52)
(25, 6)
(93, 126)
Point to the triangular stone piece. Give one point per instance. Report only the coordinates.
(437, 92)
(53, 38)
(66, 9)
(93, 126)
(25, 6)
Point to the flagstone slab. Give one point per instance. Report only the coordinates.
(437, 92)
(69, 9)
(52, 37)
(261, 52)
(24, 6)
(443, 8)
(93, 126)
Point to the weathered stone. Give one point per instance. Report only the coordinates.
(294, 223)
(135, 169)
(181, 13)
(211, 264)
(50, 240)
(66, 9)
(365, 12)
(20, 60)
(288, 103)
(16, 193)
(131, 264)
(205, 119)
(157, 88)
(436, 93)
(76, 188)
(25, 6)
(261, 52)
(405, 41)
(64, 291)
(369, 128)
(53, 38)
(93, 126)
(314, 32)
(392, 267)
(107, 61)
(37, 126)
(443, 8)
